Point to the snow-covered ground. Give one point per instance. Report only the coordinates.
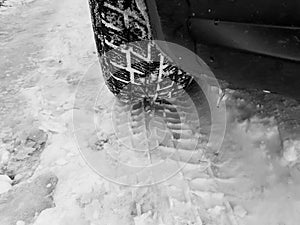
(47, 48)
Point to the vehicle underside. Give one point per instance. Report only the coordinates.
(249, 44)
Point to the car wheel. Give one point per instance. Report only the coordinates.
(132, 63)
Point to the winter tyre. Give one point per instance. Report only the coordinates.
(132, 64)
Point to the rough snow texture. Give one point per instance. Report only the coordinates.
(25, 201)
(248, 182)
(24, 155)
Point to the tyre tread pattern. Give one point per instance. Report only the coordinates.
(133, 66)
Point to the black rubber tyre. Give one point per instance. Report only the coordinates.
(133, 66)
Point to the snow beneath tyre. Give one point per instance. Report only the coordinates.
(252, 180)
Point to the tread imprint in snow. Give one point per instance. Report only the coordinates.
(137, 72)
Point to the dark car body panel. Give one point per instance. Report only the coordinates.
(267, 12)
(249, 39)
(276, 41)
